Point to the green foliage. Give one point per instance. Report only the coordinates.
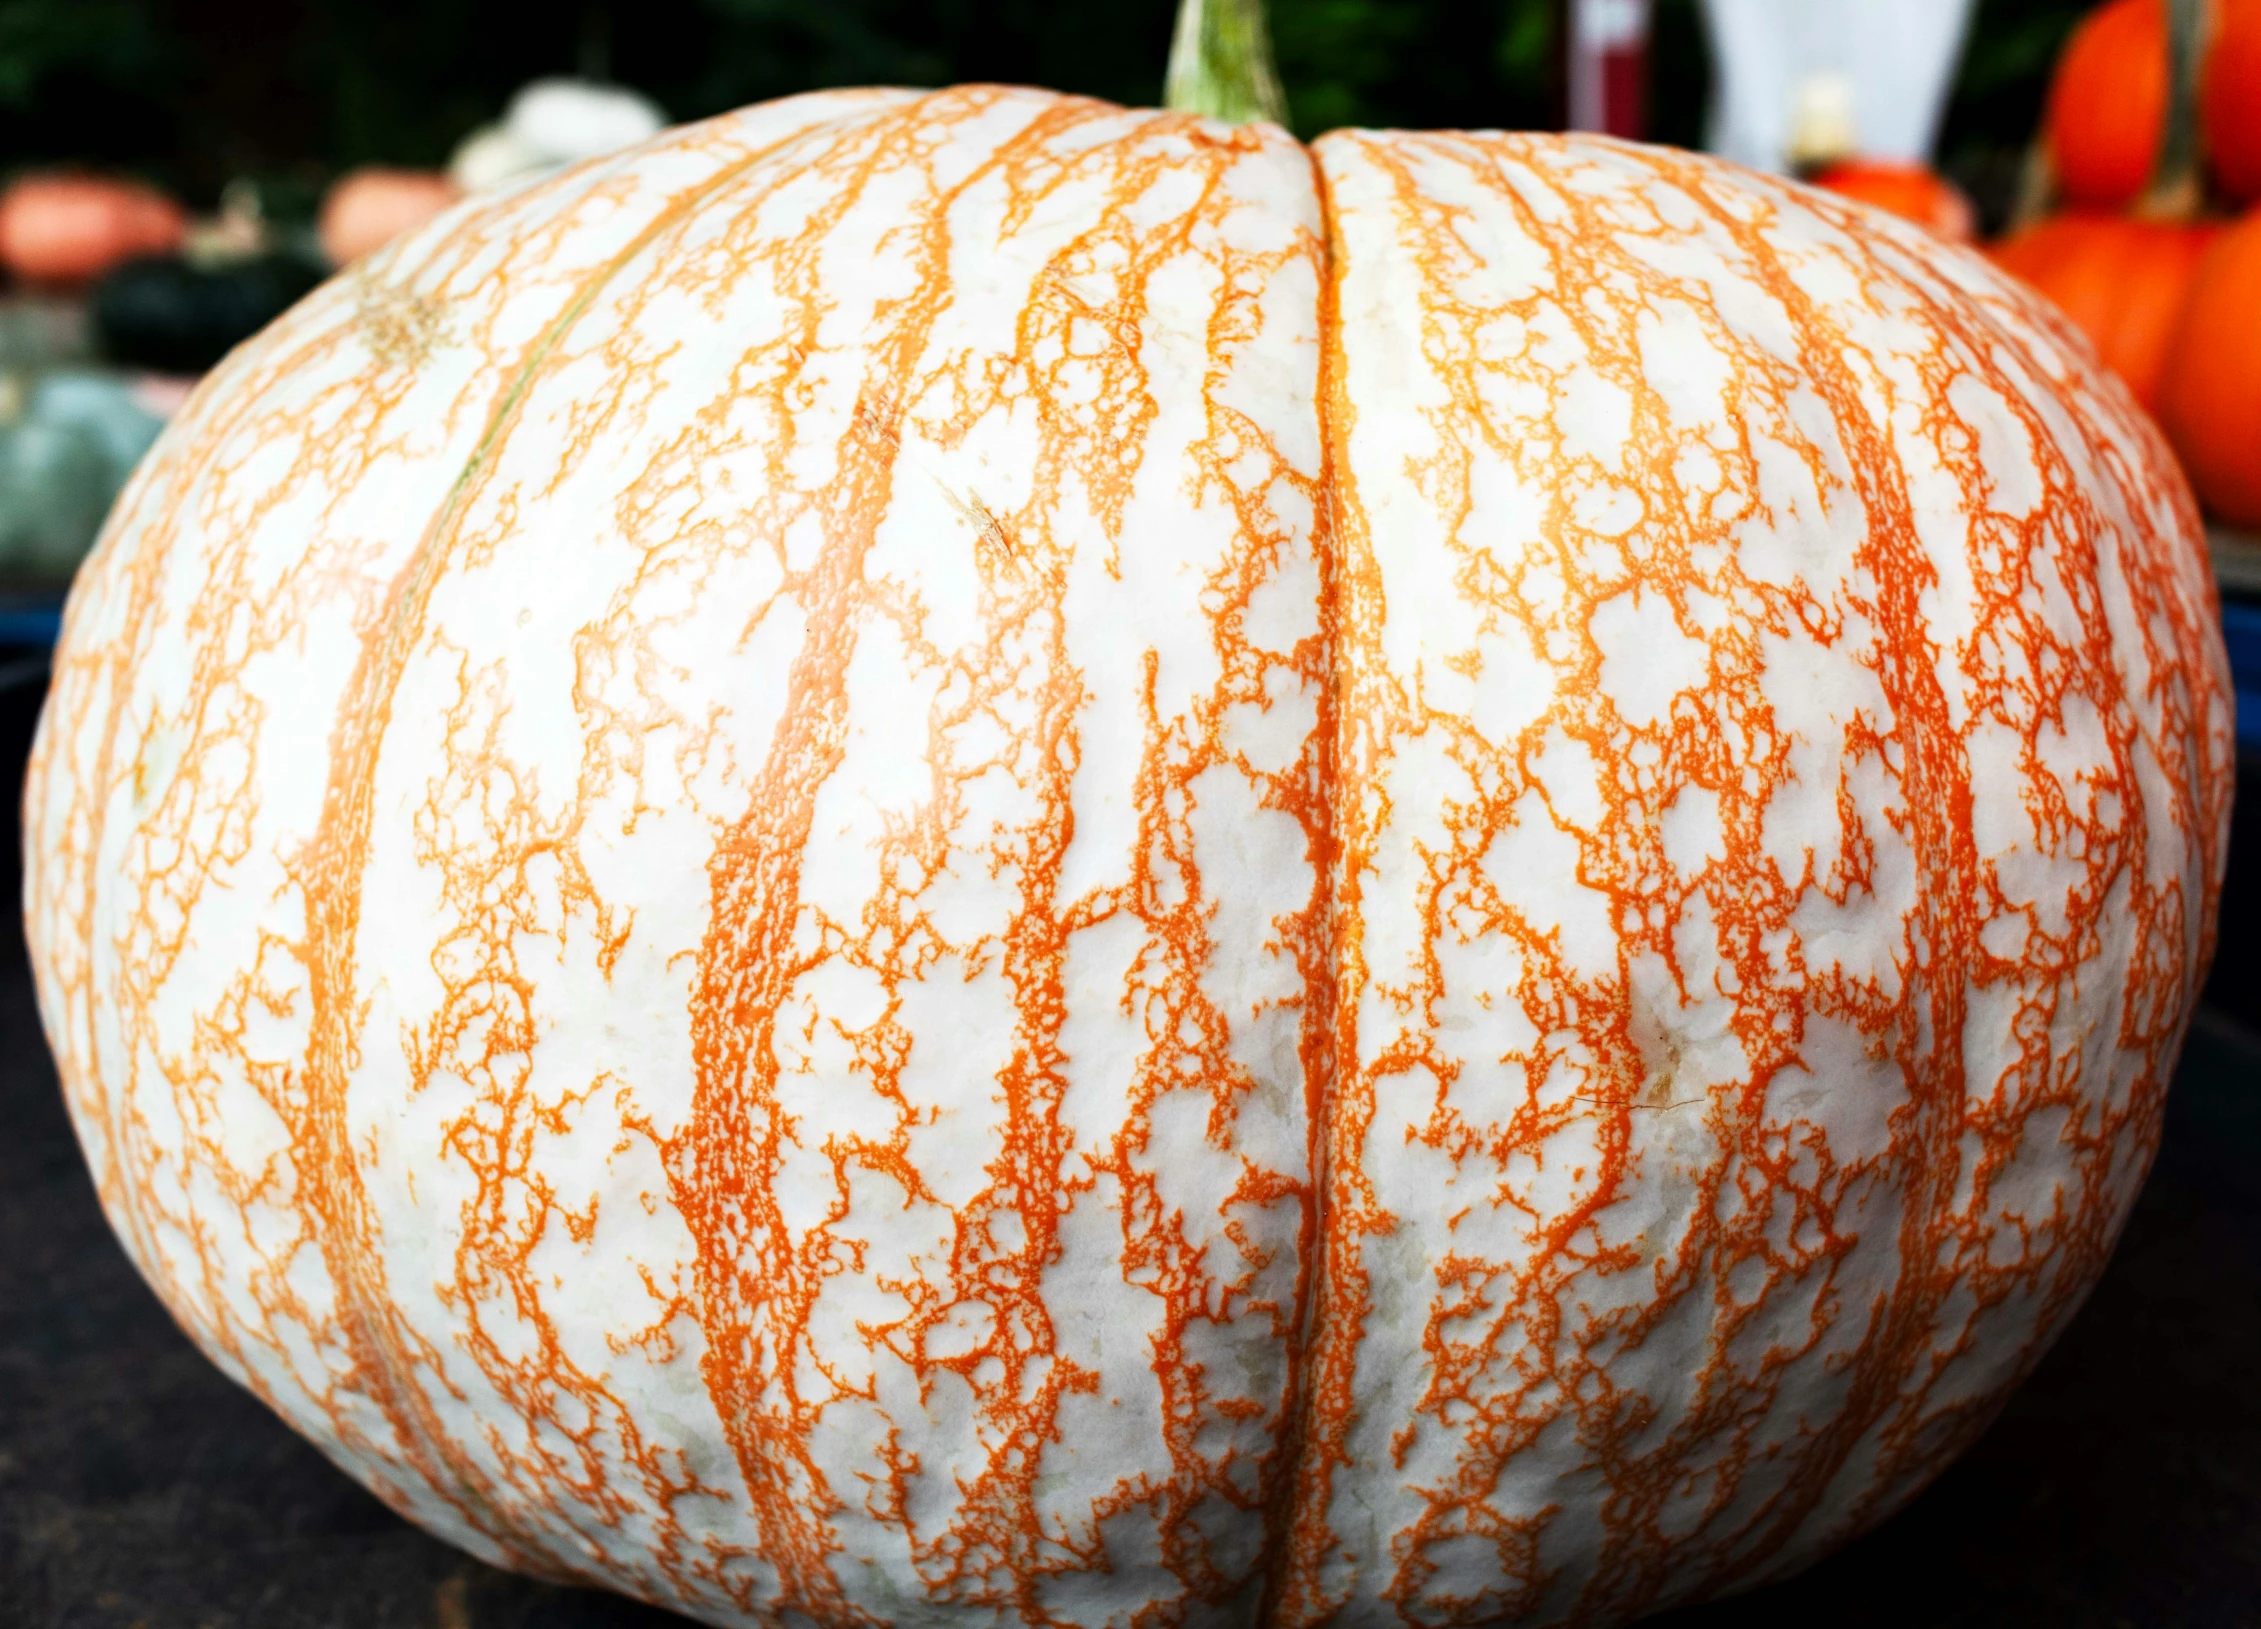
(1679, 74)
(61, 61)
(2005, 73)
(42, 41)
(1341, 58)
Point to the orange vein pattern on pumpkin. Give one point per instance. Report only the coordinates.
(1768, 805)
(288, 481)
(1038, 817)
(968, 856)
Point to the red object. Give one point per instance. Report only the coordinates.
(2229, 99)
(368, 208)
(73, 228)
(2210, 399)
(2107, 112)
(1608, 68)
(2122, 282)
(1913, 192)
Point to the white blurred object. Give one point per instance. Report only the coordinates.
(1822, 127)
(567, 120)
(1806, 81)
(492, 157)
(552, 123)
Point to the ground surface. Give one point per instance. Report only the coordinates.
(2121, 1487)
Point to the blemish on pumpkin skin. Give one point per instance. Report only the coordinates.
(1410, 1204)
(400, 327)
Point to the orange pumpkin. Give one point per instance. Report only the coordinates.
(2107, 111)
(73, 228)
(2230, 99)
(965, 858)
(2210, 401)
(1914, 192)
(367, 208)
(2121, 281)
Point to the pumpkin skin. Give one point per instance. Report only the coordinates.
(2122, 281)
(2107, 110)
(2211, 396)
(946, 859)
(2229, 99)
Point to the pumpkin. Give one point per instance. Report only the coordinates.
(2229, 107)
(2211, 396)
(2106, 115)
(73, 228)
(54, 486)
(68, 440)
(2123, 282)
(1914, 192)
(367, 208)
(549, 124)
(962, 858)
(175, 315)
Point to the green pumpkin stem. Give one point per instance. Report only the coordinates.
(1221, 63)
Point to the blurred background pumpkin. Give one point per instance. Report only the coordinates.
(66, 229)
(370, 206)
(2122, 280)
(2108, 104)
(2211, 387)
(2230, 100)
(1915, 192)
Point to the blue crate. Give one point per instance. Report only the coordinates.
(2241, 632)
(33, 624)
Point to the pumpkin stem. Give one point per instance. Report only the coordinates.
(2175, 188)
(1221, 63)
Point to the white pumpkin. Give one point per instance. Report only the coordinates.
(969, 859)
(549, 124)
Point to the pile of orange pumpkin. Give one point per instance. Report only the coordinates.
(63, 230)
(2153, 243)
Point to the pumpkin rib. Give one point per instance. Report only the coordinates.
(339, 845)
(1936, 774)
(108, 557)
(754, 877)
(127, 1217)
(784, 1544)
(413, 1422)
(1621, 1577)
(1126, 870)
